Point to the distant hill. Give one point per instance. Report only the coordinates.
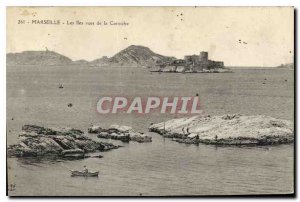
(37, 58)
(130, 56)
(287, 66)
(133, 55)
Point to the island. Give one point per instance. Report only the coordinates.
(230, 129)
(65, 143)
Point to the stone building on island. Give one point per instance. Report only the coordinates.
(191, 63)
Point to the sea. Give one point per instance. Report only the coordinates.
(162, 167)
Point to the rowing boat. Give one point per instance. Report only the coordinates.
(83, 174)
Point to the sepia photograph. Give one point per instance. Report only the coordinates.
(150, 101)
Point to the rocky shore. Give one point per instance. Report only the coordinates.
(64, 143)
(123, 133)
(232, 129)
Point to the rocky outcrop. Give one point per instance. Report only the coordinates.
(123, 133)
(103, 61)
(229, 129)
(51, 131)
(73, 153)
(64, 143)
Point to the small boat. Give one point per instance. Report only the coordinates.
(83, 174)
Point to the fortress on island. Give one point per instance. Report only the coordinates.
(190, 63)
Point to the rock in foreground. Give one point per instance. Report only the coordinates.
(64, 143)
(123, 133)
(227, 130)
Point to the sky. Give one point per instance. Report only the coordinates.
(239, 36)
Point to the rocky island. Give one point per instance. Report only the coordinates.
(37, 141)
(232, 129)
(134, 55)
(123, 133)
(43, 58)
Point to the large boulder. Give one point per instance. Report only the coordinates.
(139, 137)
(65, 142)
(231, 129)
(115, 136)
(51, 131)
(73, 153)
(116, 132)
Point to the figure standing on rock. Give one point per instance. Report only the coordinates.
(185, 132)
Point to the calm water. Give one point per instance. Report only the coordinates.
(162, 167)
